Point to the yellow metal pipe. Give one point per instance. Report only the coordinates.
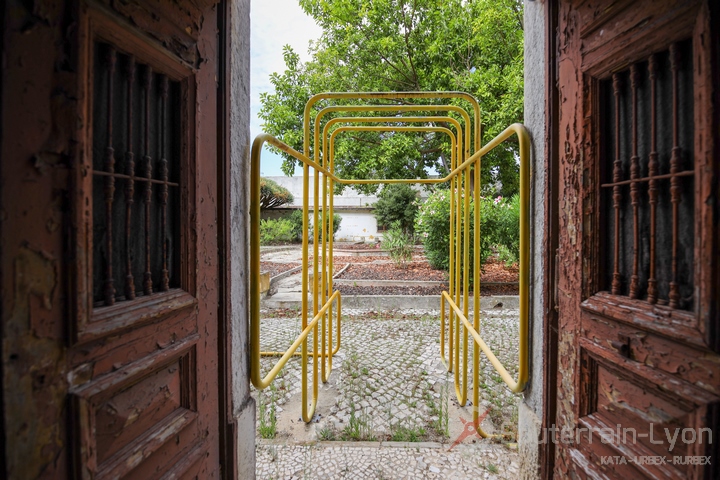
(515, 386)
(330, 154)
(466, 273)
(502, 136)
(393, 108)
(453, 175)
(257, 380)
(450, 120)
(387, 96)
(476, 287)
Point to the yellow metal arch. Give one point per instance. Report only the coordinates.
(461, 169)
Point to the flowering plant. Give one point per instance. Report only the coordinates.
(499, 226)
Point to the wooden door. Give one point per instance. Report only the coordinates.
(637, 295)
(110, 193)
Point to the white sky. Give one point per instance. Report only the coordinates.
(273, 24)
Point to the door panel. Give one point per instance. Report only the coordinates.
(637, 244)
(145, 397)
(110, 281)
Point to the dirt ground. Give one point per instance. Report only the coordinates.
(497, 278)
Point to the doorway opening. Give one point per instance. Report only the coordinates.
(455, 331)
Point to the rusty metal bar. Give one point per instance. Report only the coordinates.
(130, 182)
(634, 175)
(147, 280)
(109, 288)
(617, 176)
(653, 168)
(675, 168)
(684, 173)
(136, 179)
(165, 282)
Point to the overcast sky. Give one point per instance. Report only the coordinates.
(274, 23)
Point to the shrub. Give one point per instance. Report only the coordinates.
(273, 195)
(276, 231)
(499, 228)
(296, 218)
(500, 218)
(336, 224)
(397, 202)
(433, 227)
(399, 244)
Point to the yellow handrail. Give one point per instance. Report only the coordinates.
(518, 385)
(459, 176)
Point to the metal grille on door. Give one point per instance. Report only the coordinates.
(136, 179)
(648, 179)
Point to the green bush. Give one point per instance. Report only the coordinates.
(433, 227)
(399, 244)
(336, 225)
(397, 202)
(500, 229)
(500, 219)
(276, 231)
(296, 218)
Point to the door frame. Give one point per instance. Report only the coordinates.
(227, 428)
(550, 239)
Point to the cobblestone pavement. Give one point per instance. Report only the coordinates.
(387, 384)
(364, 460)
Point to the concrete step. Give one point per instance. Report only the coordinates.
(389, 302)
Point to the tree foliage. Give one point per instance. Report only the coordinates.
(273, 195)
(397, 203)
(474, 46)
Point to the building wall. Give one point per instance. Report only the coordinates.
(530, 410)
(349, 196)
(358, 220)
(357, 225)
(243, 406)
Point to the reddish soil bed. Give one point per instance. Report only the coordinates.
(277, 268)
(382, 268)
(493, 272)
(390, 271)
(368, 259)
(496, 271)
(353, 290)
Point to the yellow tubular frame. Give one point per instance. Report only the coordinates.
(462, 166)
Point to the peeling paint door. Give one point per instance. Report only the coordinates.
(110, 281)
(638, 384)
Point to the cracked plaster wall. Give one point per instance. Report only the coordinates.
(243, 405)
(530, 410)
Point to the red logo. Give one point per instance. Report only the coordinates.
(470, 428)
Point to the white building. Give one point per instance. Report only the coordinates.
(355, 208)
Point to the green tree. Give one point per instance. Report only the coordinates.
(474, 46)
(397, 203)
(273, 195)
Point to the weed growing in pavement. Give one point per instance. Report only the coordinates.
(359, 427)
(327, 433)
(439, 409)
(267, 413)
(401, 433)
